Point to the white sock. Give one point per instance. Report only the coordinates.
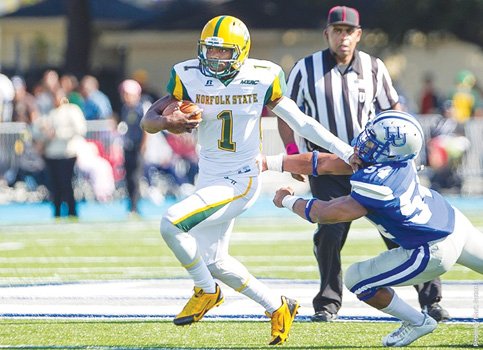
(185, 249)
(235, 275)
(201, 276)
(260, 293)
(402, 310)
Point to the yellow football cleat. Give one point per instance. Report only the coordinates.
(199, 304)
(282, 320)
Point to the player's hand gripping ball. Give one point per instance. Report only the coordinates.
(185, 107)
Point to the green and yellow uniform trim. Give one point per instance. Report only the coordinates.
(277, 89)
(176, 87)
(192, 219)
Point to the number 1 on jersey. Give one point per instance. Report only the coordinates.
(226, 142)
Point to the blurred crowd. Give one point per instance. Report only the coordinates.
(72, 145)
(446, 142)
(62, 141)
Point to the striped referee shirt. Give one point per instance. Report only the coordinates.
(342, 102)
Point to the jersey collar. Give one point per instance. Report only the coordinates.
(354, 65)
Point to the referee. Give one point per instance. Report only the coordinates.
(342, 88)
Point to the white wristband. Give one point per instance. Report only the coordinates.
(275, 163)
(289, 201)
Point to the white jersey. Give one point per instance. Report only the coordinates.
(230, 133)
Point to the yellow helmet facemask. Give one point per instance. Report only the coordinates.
(225, 32)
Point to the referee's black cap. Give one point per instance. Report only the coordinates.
(343, 15)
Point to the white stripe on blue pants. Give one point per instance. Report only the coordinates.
(392, 267)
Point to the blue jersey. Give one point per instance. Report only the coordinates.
(402, 209)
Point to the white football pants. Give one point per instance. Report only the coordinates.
(203, 224)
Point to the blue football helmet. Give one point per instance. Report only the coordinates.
(392, 136)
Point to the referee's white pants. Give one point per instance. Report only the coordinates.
(405, 267)
(208, 215)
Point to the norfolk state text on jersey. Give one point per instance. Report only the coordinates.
(227, 99)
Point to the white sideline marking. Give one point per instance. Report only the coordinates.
(11, 246)
(150, 259)
(163, 298)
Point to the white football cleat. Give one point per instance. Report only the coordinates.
(408, 333)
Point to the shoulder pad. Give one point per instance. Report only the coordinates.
(263, 64)
(192, 64)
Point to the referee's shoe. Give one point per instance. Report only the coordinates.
(323, 316)
(437, 312)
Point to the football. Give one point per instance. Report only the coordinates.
(185, 107)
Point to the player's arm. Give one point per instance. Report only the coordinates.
(316, 163)
(288, 139)
(310, 129)
(312, 163)
(341, 209)
(154, 121)
(286, 133)
(287, 136)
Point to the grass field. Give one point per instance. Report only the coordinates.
(277, 248)
(215, 335)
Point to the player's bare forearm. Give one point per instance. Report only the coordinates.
(175, 120)
(289, 143)
(342, 209)
(327, 163)
(286, 134)
(153, 121)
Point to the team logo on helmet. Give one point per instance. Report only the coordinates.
(392, 136)
(214, 41)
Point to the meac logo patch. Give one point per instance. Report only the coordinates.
(250, 82)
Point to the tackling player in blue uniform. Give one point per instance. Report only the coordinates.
(432, 234)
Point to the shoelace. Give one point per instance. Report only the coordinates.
(403, 330)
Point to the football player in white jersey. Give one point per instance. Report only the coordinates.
(231, 89)
(432, 234)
